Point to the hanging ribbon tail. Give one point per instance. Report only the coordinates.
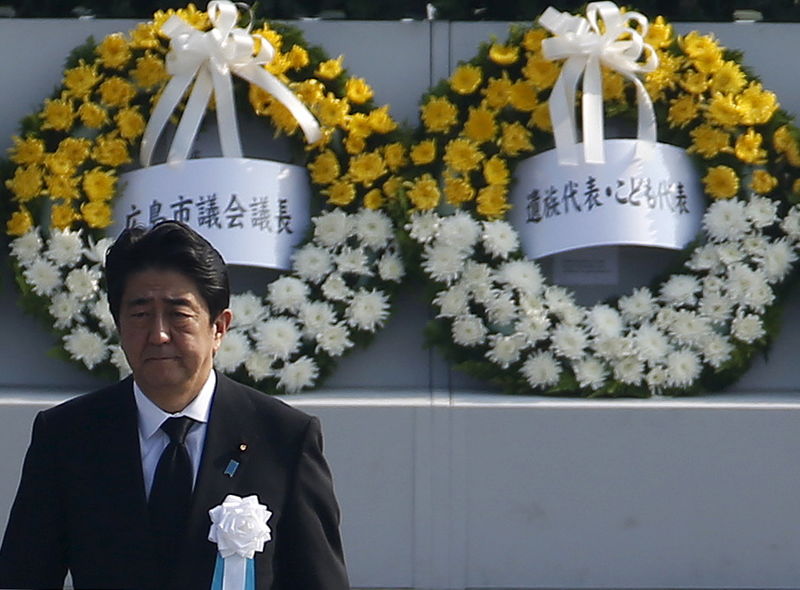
(647, 124)
(192, 117)
(562, 112)
(592, 111)
(227, 126)
(233, 573)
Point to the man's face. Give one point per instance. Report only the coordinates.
(167, 334)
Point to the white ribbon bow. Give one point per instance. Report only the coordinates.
(209, 59)
(586, 46)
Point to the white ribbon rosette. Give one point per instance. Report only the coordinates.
(604, 37)
(209, 58)
(239, 528)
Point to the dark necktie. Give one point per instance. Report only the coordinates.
(171, 493)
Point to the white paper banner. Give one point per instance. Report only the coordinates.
(255, 212)
(626, 201)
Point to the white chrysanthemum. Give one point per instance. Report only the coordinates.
(629, 370)
(459, 230)
(657, 379)
(541, 370)
(298, 375)
(259, 365)
(590, 373)
(523, 275)
(368, 310)
(86, 346)
(233, 351)
(247, 310)
(704, 258)
(779, 257)
(726, 220)
(729, 252)
(66, 247)
(713, 283)
(27, 247)
(468, 330)
(762, 211)
(65, 309)
(755, 246)
(501, 309)
(82, 282)
(680, 290)
(277, 337)
(604, 321)
(43, 276)
(312, 263)
(352, 261)
(570, 313)
(443, 262)
(390, 267)
(639, 305)
(688, 327)
(500, 239)
(96, 252)
(120, 361)
(505, 350)
(747, 286)
(101, 310)
(334, 339)
(452, 302)
(614, 348)
(332, 228)
(373, 228)
(716, 307)
(287, 294)
(569, 341)
(652, 344)
(533, 326)
(683, 368)
(747, 327)
(561, 302)
(790, 223)
(316, 316)
(716, 350)
(336, 288)
(423, 226)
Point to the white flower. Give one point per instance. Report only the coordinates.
(332, 228)
(726, 220)
(247, 310)
(277, 337)
(704, 258)
(334, 339)
(96, 252)
(657, 379)
(716, 307)
(316, 316)
(680, 290)
(65, 309)
(790, 223)
(468, 330)
(459, 230)
(613, 348)
(298, 375)
(452, 302)
(749, 287)
(755, 246)
(561, 303)
(778, 260)
(66, 247)
(233, 351)
(604, 321)
(423, 226)
(83, 282)
(523, 275)
(629, 370)
(120, 361)
(499, 238)
(102, 312)
(534, 326)
(86, 346)
(541, 370)
(762, 211)
(443, 262)
(716, 350)
(287, 294)
(729, 252)
(477, 277)
(390, 267)
(367, 310)
(336, 288)
(504, 350)
(373, 228)
(501, 309)
(259, 365)
(652, 344)
(747, 327)
(569, 341)
(590, 373)
(353, 261)
(239, 526)
(688, 327)
(27, 247)
(639, 305)
(683, 367)
(43, 276)
(312, 263)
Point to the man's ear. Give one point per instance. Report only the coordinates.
(221, 325)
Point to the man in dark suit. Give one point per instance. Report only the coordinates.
(101, 488)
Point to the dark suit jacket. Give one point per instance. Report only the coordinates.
(81, 502)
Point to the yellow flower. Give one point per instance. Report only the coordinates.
(373, 199)
(297, 57)
(282, 117)
(74, 149)
(80, 80)
(424, 192)
(515, 139)
(367, 168)
(457, 190)
(116, 92)
(424, 152)
(682, 111)
(381, 121)
(660, 33)
(111, 151)
(332, 111)
(97, 214)
(532, 40)
(395, 156)
(783, 139)
(728, 78)
(492, 201)
(309, 91)
(708, 61)
(92, 115)
(723, 110)
(796, 186)
(20, 222)
(144, 36)
(541, 118)
(695, 82)
(503, 55)
(330, 69)
(542, 72)
(195, 17)
(26, 183)
(462, 155)
(721, 182)
(523, 96)
(325, 168)
(613, 85)
(341, 193)
(748, 148)
(58, 114)
(274, 38)
(149, 71)
(354, 144)
(763, 182)
(695, 44)
(130, 123)
(497, 92)
(279, 66)
(358, 91)
(438, 114)
(62, 216)
(466, 79)
(793, 156)
(495, 171)
(358, 125)
(27, 151)
(709, 141)
(480, 125)
(114, 51)
(99, 185)
(392, 186)
(756, 104)
(58, 164)
(60, 186)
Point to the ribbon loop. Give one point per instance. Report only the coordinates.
(207, 60)
(604, 37)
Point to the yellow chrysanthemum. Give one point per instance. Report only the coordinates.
(63, 215)
(116, 92)
(381, 121)
(515, 139)
(532, 40)
(695, 44)
(331, 111)
(659, 35)
(457, 190)
(58, 164)
(297, 57)
(708, 61)
(438, 115)
(480, 125)
(709, 141)
(395, 156)
(99, 184)
(26, 183)
(92, 115)
(373, 199)
(541, 118)
(392, 186)
(763, 182)
(613, 85)
(144, 36)
(495, 171)
(424, 152)
(74, 149)
(542, 72)
(358, 91)
(503, 55)
(748, 148)
(462, 155)
(796, 186)
(756, 104)
(341, 193)
(27, 151)
(492, 201)
(728, 79)
(695, 82)
(721, 182)
(309, 91)
(20, 223)
(330, 69)
(497, 92)
(424, 192)
(466, 79)
(325, 168)
(272, 37)
(130, 123)
(149, 71)
(793, 156)
(282, 118)
(358, 125)
(80, 80)
(354, 144)
(523, 96)
(682, 111)
(114, 51)
(58, 114)
(366, 168)
(63, 187)
(111, 151)
(96, 214)
(783, 139)
(279, 65)
(723, 110)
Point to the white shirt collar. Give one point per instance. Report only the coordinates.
(151, 416)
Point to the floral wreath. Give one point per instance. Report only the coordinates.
(497, 317)
(62, 177)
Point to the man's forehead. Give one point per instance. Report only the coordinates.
(166, 285)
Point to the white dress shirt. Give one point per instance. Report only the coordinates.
(153, 440)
